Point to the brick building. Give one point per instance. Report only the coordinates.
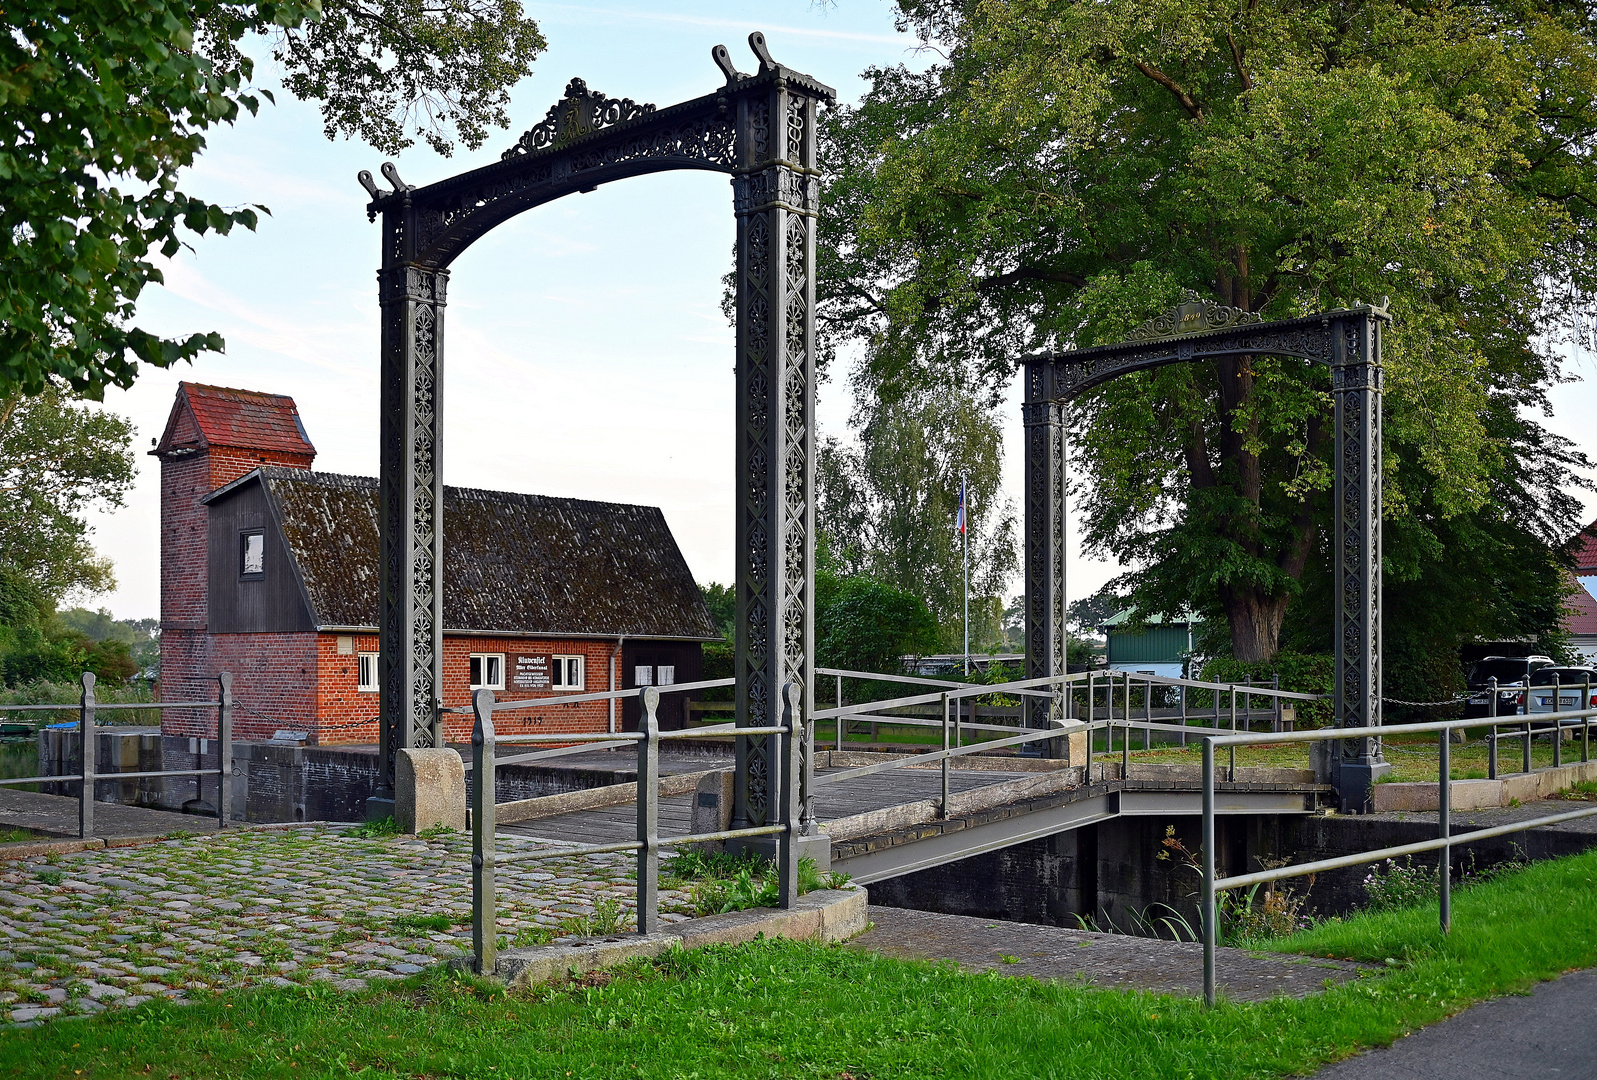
(1580, 616)
(270, 570)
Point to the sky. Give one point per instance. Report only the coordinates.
(587, 355)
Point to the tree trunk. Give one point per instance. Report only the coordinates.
(1255, 619)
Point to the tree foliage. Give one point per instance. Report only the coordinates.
(865, 624)
(58, 459)
(103, 103)
(1070, 169)
(887, 506)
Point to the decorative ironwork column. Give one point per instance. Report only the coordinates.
(775, 197)
(1045, 540)
(410, 626)
(1356, 552)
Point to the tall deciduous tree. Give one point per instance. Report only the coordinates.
(58, 459)
(887, 505)
(1070, 168)
(103, 103)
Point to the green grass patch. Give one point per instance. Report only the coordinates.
(381, 829)
(719, 882)
(785, 1009)
(423, 924)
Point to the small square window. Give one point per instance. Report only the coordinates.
(368, 672)
(252, 554)
(566, 672)
(643, 675)
(487, 671)
(665, 675)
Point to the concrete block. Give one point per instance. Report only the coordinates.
(429, 789)
(712, 804)
(825, 915)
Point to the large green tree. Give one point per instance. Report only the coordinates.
(1068, 169)
(103, 104)
(58, 459)
(887, 505)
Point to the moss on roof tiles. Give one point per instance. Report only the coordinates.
(529, 564)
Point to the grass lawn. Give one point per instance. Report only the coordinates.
(1413, 759)
(781, 1009)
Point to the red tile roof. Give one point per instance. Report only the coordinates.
(1585, 549)
(207, 416)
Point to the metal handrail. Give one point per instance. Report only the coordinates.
(1444, 842)
(786, 779)
(87, 709)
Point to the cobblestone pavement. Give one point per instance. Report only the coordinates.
(115, 927)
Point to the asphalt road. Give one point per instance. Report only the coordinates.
(1550, 1033)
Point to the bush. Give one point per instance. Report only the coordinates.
(1394, 885)
(1302, 673)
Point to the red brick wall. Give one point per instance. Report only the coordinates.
(348, 715)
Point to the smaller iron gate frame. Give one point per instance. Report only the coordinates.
(1348, 341)
(88, 709)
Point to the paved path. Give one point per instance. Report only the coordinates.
(1549, 1034)
(1105, 960)
(86, 930)
(57, 815)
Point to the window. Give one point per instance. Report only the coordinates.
(665, 675)
(368, 672)
(487, 671)
(566, 672)
(252, 553)
(642, 676)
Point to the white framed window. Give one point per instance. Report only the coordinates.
(367, 674)
(665, 675)
(252, 554)
(643, 675)
(488, 671)
(567, 672)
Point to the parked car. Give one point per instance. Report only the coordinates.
(1568, 683)
(1512, 674)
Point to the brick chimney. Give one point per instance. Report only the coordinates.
(213, 436)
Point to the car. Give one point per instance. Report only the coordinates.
(1570, 684)
(1511, 673)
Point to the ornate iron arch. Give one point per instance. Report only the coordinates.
(1348, 341)
(761, 130)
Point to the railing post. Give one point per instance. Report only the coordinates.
(1210, 931)
(943, 809)
(648, 913)
(1444, 828)
(224, 749)
(840, 718)
(787, 841)
(1525, 754)
(1125, 751)
(1231, 770)
(1491, 739)
(484, 913)
(1558, 725)
(1585, 721)
(1275, 708)
(86, 728)
(1183, 690)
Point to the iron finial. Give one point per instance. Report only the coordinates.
(757, 43)
(366, 181)
(392, 175)
(723, 60)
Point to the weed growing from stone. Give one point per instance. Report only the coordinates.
(421, 924)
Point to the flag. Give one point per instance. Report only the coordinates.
(959, 524)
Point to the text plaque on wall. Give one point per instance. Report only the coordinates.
(530, 671)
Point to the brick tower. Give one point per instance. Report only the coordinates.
(214, 436)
